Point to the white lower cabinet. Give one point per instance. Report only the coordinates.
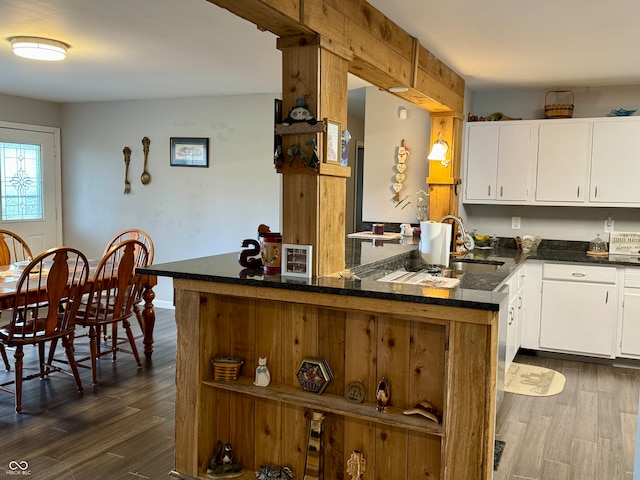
(579, 309)
(515, 289)
(530, 318)
(630, 326)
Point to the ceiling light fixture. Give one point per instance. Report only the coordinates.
(439, 150)
(37, 48)
(398, 89)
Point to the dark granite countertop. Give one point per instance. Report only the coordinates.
(368, 261)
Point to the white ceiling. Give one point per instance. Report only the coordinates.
(133, 49)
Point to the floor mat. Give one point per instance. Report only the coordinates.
(533, 380)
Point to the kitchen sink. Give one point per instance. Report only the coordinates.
(474, 267)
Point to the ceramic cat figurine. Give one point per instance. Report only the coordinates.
(263, 376)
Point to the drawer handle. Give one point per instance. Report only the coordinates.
(596, 193)
(578, 196)
(489, 191)
(578, 274)
(501, 190)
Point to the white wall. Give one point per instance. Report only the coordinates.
(355, 125)
(383, 133)
(529, 104)
(558, 223)
(189, 212)
(29, 111)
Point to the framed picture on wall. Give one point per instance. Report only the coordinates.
(189, 152)
(332, 142)
(296, 260)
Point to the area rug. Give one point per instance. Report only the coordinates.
(533, 380)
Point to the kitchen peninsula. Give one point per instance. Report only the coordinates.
(432, 345)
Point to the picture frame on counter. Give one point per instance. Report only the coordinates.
(296, 260)
(189, 152)
(332, 141)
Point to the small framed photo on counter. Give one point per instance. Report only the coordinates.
(189, 152)
(296, 260)
(332, 142)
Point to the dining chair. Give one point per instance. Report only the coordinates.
(12, 249)
(142, 236)
(50, 288)
(115, 286)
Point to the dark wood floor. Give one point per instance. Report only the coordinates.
(587, 432)
(121, 429)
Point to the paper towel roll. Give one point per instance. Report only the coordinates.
(435, 243)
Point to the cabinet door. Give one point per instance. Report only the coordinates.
(615, 159)
(530, 318)
(630, 341)
(563, 159)
(578, 317)
(482, 161)
(514, 160)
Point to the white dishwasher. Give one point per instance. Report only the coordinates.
(579, 309)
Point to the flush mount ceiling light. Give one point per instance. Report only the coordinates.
(37, 48)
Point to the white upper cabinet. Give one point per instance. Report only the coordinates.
(563, 162)
(615, 162)
(571, 162)
(482, 162)
(498, 162)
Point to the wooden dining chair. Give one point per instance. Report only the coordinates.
(13, 248)
(50, 288)
(114, 289)
(142, 236)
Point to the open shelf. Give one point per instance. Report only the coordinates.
(330, 403)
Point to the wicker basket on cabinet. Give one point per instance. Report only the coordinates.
(558, 110)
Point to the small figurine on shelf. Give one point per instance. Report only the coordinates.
(223, 464)
(356, 465)
(383, 395)
(263, 376)
(300, 113)
(269, 472)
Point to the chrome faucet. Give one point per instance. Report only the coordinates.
(463, 232)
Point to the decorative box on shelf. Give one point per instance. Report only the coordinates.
(226, 368)
(314, 375)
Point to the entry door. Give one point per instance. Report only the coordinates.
(30, 203)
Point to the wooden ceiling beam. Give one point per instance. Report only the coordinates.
(383, 53)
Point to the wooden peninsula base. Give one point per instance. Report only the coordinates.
(443, 354)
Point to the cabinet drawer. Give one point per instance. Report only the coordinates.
(632, 277)
(579, 273)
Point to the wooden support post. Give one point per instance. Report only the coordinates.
(314, 201)
(444, 181)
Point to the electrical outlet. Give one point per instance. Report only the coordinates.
(515, 223)
(608, 226)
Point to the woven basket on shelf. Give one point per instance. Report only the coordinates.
(558, 110)
(226, 368)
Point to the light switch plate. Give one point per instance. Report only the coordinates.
(515, 223)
